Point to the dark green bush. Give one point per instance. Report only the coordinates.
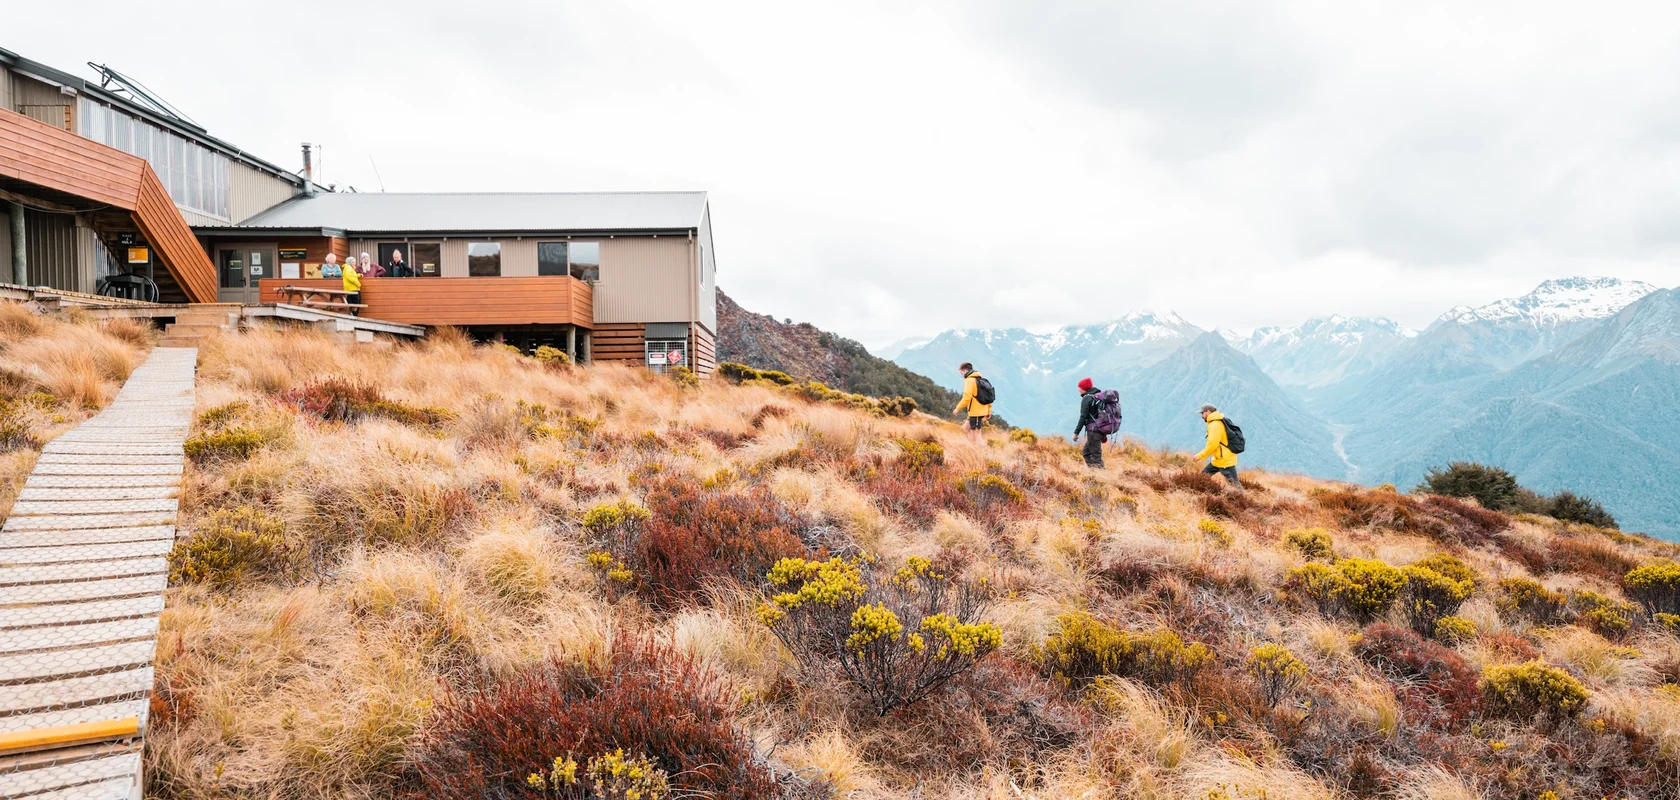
(1571, 507)
(1492, 487)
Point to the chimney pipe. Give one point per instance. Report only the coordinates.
(308, 170)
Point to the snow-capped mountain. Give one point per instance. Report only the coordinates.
(1496, 383)
(1324, 350)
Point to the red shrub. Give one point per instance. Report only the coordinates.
(1376, 509)
(1438, 672)
(1188, 480)
(698, 534)
(1590, 556)
(1510, 647)
(649, 700)
(1470, 524)
(343, 400)
(917, 496)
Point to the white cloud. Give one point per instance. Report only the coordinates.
(889, 169)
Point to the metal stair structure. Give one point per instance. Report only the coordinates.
(83, 566)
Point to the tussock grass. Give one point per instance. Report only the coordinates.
(433, 560)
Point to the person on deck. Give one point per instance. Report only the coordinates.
(400, 268)
(353, 285)
(331, 269)
(1221, 461)
(371, 269)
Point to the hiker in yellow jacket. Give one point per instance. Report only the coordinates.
(1221, 460)
(978, 412)
(352, 284)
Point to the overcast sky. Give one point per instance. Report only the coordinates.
(893, 169)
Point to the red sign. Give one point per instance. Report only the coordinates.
(674, 357)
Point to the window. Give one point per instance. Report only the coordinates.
(484, 259)
(585, 260)
(195, 176)
(427, 258)
(551, 259)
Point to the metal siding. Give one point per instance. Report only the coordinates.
(645, 279)
(53, 260)
(6, 90)
(519, 257)
(454, 259)
(40, 101)
(470, 212)
(253, 192)
(708, 274)
(198, 220)
(6, 235)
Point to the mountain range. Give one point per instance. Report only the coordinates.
(1570, 386)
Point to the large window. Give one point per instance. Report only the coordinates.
(427, 258)
(586, 260)
(581, 260)
(196, 176)
(551, 259)
(484, 259)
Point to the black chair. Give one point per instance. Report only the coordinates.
(129, 287)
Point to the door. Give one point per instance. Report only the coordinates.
(239, 271)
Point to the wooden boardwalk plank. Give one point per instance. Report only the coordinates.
(83, 571)
(51, 637)
(42, 508)
(93, 611)
(23, 556)
(79, 691)
(72, 773)
(79, 661)
(47, 493)
(139, 519)
(77, 592)
(86, 536)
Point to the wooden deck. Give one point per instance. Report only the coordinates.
(83, 566)
(526, 300)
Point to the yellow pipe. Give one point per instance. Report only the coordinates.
(68, 735)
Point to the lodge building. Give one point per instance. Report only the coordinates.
(106, 189)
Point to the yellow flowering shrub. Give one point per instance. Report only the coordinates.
(1607, 616)
(1085, 647)
(1430, 595)
(1311, 542)
(1362, 587)
(1454, 630)
(898, 639)
(1526, 691)
(1523, 598)
(1656, 586)
(1280, 673)
(918, 456)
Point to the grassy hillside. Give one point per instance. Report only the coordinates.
(809, 353)
(440, 570)
(55, 371)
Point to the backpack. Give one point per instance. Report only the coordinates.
(984, 394)
(1106, 419)
(1233, 436)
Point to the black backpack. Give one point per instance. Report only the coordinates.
(1233, 436)
(984, 394)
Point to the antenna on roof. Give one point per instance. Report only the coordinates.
(376, 173)
(138, 92)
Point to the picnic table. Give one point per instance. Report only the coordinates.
(317, 297)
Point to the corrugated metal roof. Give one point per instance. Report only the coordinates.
(476, 212)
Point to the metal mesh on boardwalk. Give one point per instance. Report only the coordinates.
(82, 573)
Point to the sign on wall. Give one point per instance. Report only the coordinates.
(139, 255)
(293, 255)
(126, 239)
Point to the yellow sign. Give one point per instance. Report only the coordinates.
(139, 255)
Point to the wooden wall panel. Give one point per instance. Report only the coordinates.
(172, 240)
(52, 158)
(703, 349)
(546, 300)
(619, 341)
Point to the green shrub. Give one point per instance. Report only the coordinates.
(1311, 542)
(228, 547)
(1607, 616)
(1449, 566)
(684, 377)
(1667, 622)
(1023, 435)
(1525, 691)
(228, 445)
(1084, 648)
(218, 416)
(1655, 586)
(1280, 673)
(1571, 507)
(1361, 587)
(1454, 630)
(896, 638)
(1494, 488)
(919, 457)
(15, 433)
(1521, 598)
(1431, 595)
(551, 355)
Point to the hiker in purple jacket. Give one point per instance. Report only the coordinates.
(1099, 418)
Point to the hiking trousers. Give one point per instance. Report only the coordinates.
(1093, 449)
(1230, 473)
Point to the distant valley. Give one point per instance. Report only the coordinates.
(1572, 386)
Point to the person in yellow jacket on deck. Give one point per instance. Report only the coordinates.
(353, 285)
(975, 388)
(1221, 461)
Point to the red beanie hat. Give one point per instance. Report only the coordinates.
(1085, 384)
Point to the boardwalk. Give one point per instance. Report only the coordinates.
(82, 573)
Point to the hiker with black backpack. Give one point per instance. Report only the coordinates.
(1224, 442)
(977, 399)
(1099, 418)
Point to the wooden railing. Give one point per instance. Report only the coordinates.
(528, 300)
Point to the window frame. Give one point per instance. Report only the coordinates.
(471, 245)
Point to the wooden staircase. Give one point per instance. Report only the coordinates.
(194, 324)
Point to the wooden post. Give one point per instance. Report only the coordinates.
(571, 343)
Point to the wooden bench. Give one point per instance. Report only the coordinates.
(318, 297)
